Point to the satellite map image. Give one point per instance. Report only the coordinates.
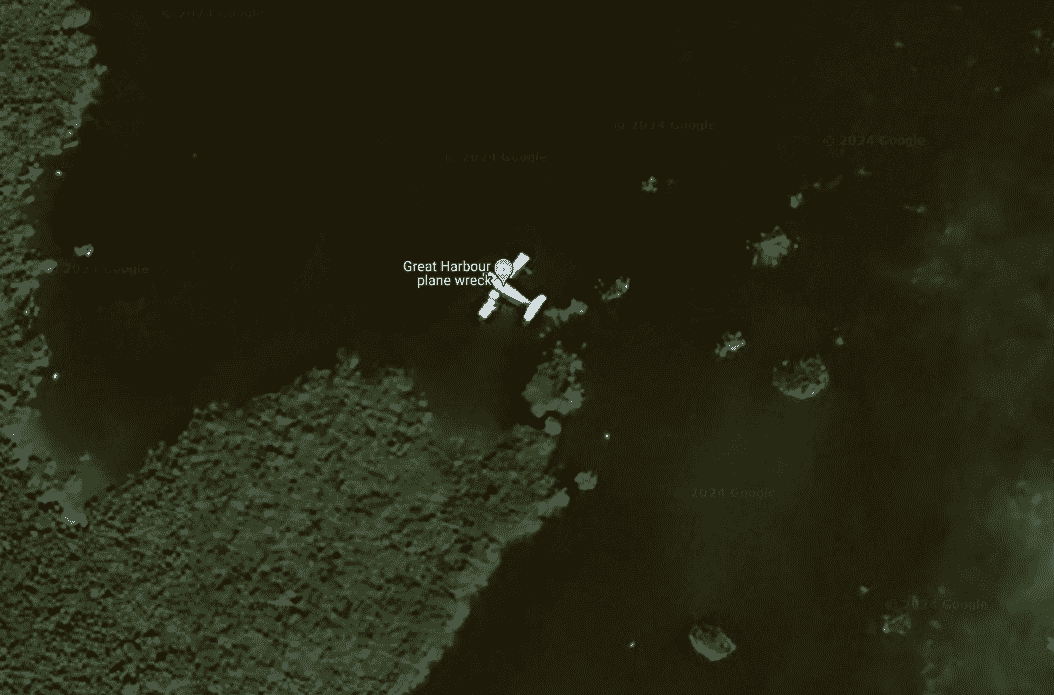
(657, 349)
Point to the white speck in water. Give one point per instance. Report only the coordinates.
(55, 376)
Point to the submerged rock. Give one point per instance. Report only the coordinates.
(731, 344)
(804, 380)
(586, 480)
(710, 641)
(771, 248)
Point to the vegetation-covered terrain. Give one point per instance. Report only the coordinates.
(326, 539)
(323, 539)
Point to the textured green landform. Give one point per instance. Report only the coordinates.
(323, 539)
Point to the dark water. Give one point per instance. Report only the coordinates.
(273, 193)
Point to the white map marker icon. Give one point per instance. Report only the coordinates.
(503, 269)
